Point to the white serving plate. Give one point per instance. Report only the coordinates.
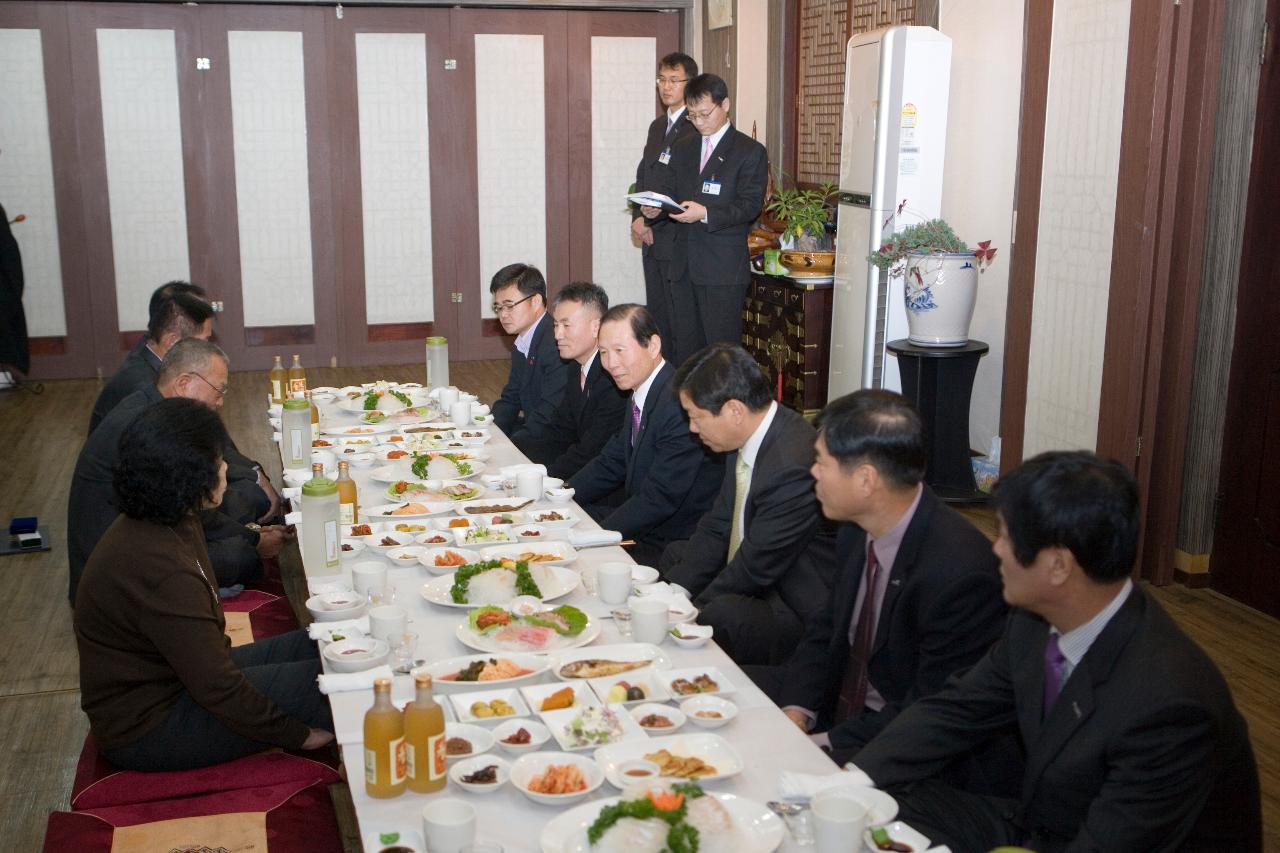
(481, 740)
(358, 430)
(563, 550)
(407, 555)
(383, 512)
(556, 721)
(471, 509)
(644, 709)
(536, 664)
(482, 643)
(569, 520)
(656, 657)
(534, 694)
(428, 558)
(356, 654)
(468, 766)
(528, 766)
(898, 831)
(475, 491)
(559, 582)
(461, 703)
(373, 542)
(725, 685)
(471, 537)
(321, 613)
(647, 680)
(434, 538)
(712, 749)
(502, 519)
(538, 735)
(760, 830)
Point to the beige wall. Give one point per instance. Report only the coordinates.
(750, 101)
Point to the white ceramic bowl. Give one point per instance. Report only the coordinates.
(470, 765)
(358, 458)
(330, 606)
(434, 538)
(481, 739)
(352, 549)
(356, 654)
(428, 559)
(691, 636)
(538, 735)
(534, 764)
(675, 715)
(709, 704)
(409, 555)
(560, 495)
(644, 574)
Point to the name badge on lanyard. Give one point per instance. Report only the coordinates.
(665, 157)
(711, 188)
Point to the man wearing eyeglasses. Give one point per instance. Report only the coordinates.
(527, 405)
(719, 178)
(656, 238)
(197, 370)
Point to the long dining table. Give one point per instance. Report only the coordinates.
(767, 741)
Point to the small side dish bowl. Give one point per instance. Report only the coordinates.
(697, 706)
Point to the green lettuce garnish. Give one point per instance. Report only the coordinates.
(681, 837)
(420, 464)
(525, 584)
(573, 617)
(475, 615)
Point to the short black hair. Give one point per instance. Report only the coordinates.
(879, 428)
(722, 372)
(686, 63)
(189, 355)
(586, 293)
(178, 307)
(1074, 500)
(643, 327)
(168, 461)
(704, 86)
(526, 277)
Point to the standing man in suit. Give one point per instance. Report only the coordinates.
(1132, 739)
(536, 382)
(668, 479)
(719, 178)
(756, 566)
(917, 596)
(591, 406)
(657, 238)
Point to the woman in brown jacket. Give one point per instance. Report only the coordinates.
(159, 680)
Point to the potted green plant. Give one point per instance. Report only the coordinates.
(940, 279)
(807, 244)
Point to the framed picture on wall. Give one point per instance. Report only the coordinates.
(719, 14)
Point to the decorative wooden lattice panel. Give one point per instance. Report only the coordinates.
(824, 30)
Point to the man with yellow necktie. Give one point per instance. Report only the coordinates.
(760, 562)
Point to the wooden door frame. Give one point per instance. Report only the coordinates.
(1166, 147)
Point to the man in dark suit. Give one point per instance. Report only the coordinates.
(177, 310)
(15, 351)
(537, 379)
(668, 479)
(917, 596)
(719, 178)
(658, 237)
(757, 566)
(196, 370)
(1132, 739)
(591, 406)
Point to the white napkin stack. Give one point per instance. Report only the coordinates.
(593, 538)
(322, 630)
(801, 787)
(349, 681)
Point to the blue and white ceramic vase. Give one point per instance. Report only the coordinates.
(941, 289)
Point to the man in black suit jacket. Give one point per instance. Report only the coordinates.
(591, 406)
(536, 382)
(931, 605)
(177, 310)
(14, 349)
(1132, 739)
(657, 238)
(668, 478)
(719, 178)
(757, 566)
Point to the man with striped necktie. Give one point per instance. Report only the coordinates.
(759, 564)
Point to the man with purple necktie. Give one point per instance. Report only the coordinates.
(1131, 737)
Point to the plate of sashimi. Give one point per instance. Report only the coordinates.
(499, 582)
(493, 629)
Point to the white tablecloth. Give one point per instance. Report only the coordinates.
(767, 741)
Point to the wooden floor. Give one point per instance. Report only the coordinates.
(39, 696)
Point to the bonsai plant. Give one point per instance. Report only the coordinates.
(932, 237)
(804, 215)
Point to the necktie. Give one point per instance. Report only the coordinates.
(1053, 661)
(706, 152)
(741, 473)
(853, 690)
(670, 124)
(635, 423)
(582, 381)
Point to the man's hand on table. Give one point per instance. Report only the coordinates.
(317, 738)
(798, 717)
(271, 539)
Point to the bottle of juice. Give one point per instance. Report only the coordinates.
(315, 419)
(279, 381)
(348, 511)
(297, 377)
(384, 748)
(424, 739)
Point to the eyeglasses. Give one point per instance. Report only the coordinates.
(671, 81)
(702, 116)
(507, 307)
(221, 392)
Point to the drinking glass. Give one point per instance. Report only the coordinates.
(622, 618)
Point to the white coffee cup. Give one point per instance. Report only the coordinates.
(460, 413)
(448, 825)
(387, 621)
(529, 484)
(839, 818)
(649, 620)
(448, 396)
(613, 582)
(367, 576)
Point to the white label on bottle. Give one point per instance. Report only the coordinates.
(399, 761)
(331, 546)
(277, 389)
(370, 766)
(347, 513)
(436, 751)
(410, 761)
(315, 434)
(295, 448)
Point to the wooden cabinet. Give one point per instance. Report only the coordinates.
(786, 326)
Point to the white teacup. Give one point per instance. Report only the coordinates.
(613, 582)
(448, 825)
(447, 397)
(649, 620)
(529, 484)
(367, 576)
(460, 414)
(839, 818)
(387, 621)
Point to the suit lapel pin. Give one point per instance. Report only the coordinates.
(1075, 707)
(895, 582)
